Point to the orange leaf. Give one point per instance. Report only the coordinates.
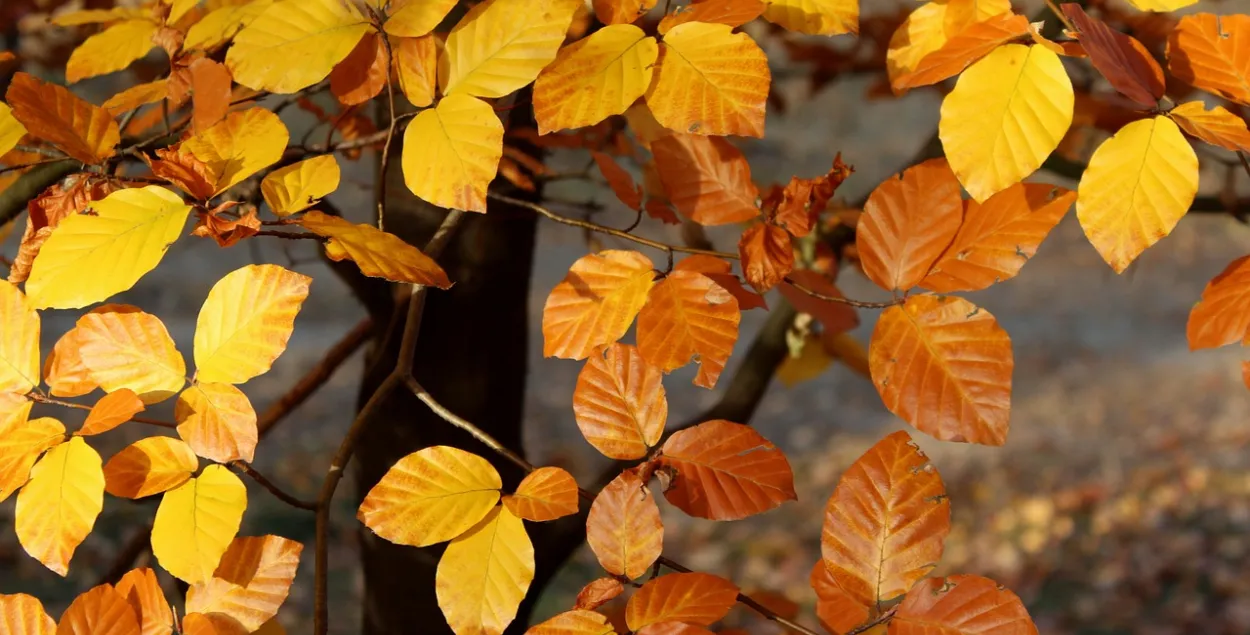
(706, 178)
(802, 200)
(596, 303)
(52, 113)
(251, 583)
(961, 605)
(143, 592)
(621, 11)
(1210, 52)
(710, 81)
(619, 180)
(149, 466)
(720, 271)
(416, 65)
(694, 598)
(1217, 126)
(1223, 315)
(124, 347)
(598, 593)
(726, 471)
(623, 528)
(619, 403)
(100, 611)
(210, 93)
(836, 317)
(1120, 58)
(1245, 373)
(908, 221)
(22, 614)
(362, 74)
(885, 522)
(594, 78)
(545, 494)
(377, 253)
(767, 256)
(227, 230)
(110, 411)
(837, 611)
(734, 13)
(944, 366)
(575, 622)
(680, 628)
(217, 421)
(687, 317)
(959, 52)
(136, 96)
(184, 170)
(998, 236)
(211, 624)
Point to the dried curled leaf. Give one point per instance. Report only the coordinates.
(377, 253)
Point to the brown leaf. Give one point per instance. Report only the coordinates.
(721, 272)
(598, 593)
(961, 605)
(688, 316)
(184, 171)
(802, 200)
(693, 598)
(620, 11)
(767, 256)
(227, 229)
(623, 528)
(210, 93)
(706, 178)
(835, 317)
(52, 113)
(908, 222)
(619, 402)
(1120, 58)
(619, 180)
(362, 74)
(726, 471)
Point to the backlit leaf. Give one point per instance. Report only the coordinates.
(687, 317)
(501, 45)
(100, 611)
(944, 366)
(930, 26)
(22, 614)
(112, 410)
(970, 45)
(726, 471)
(127, 348)
(210, 93)
(136, 96)
(619, 402)
(222, 23)
(885, 522)
(575, 622)
(416, 66)
(1006, 114)
(623, 528)
(835, 317)
(251, 583)
(815, 17)
(452, 151)
(196, 522)
(240, 145)
(599, 592)
(21, 443)
(545, 494)
(19, 341)
(710, 81)
(1160, 5)
(1138, 185)
(431, 496)
(767, 256)
(362, 74)
(143, 593)
(619, 180)
(298, 186)
(1210, 52)
(594, 78)
(414, 18)
(908, 222)
(1223, 315)
(11, 131)
(52, 113)
(149, 466)
(217, 421)
(721, 272)
(90, 257)
(1124, 61)
(1217, 126)
(294, 44)
(694, 598)
(706, 178)
(377, 253)
(112, 49)
(620, 11)
(596, 303)
(58, 506)
(484, 574)
(246, 321)
(837, 610)
(961, 605)
(730, 12)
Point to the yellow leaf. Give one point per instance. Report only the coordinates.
(110, 411)
(149, 466)
(815, 17)
(430, 496)
(246, 321)
(452, 151)
(90, 257)
(19, 342)
(296, 187)
(376, 252)
(416, 65)
(710, 81)
(21, 443)
(196, 522)
(217, 421)
(11, 130)
(22, 614)
(110, 50)
(414, 18)
(97, 16)
(295, 44)
(127, 348)
(58, 507)
(136, 96)
(252, 581)
(484, 574)
(1138, 185)
(594, 78)
(501, 45)
(240, 145)
(1007, 113)
(222, 23)
(1161, 5)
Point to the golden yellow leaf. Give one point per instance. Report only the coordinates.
(295, 44)
(220, 24)
(149, 466)
(298, 186)
(110, 411)
(252, 581)
(19, 342)
(246, 321)
(136, 96)
(97, 16)
(1160, 5)
(1007, 113)
(376, 252)
(90, 257)
(22, 614)
(11, 130)
(414, 18)
(545, 494)
(110, 50)
(143, 593)
(217, 421)
(1138, 185)
(710, 81)
(430, 496)
(452, 151)
(929, 26)
(127, 348)
(595, 303)
(594, 78)
(416, 66)
(484, 574)
(58, 507)
(21, 443)
(63, 369)
(1217, 126)
(240, 145)
(196, 522)
(815, 17)
(501, 45)
(99, 611)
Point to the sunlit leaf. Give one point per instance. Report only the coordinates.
(620, 11)
(595, 77)
(11, 131)
(210, 93)
(815, 17)
(149, 466)
(623, 528)
(196, 522)
(929, 26)
(596, 303)
(1217, 126)
(22, 614)
(58, 506)
(99, 611)
(246, 321)
(575, 622)
(728, 12)
(52, 113)
(242, 144)
(1209, 52)
(21, 443)
(767, 257)
(619, 402)
(599, 592)
(1123, 60)
(112, 410)
(414, 18)
(545, 494)
(143, 593)
(63, 369)
(959, 52)
(112, 49)
(362, 74)
(687, 317)
(127, 348)
(217, 421)
(501, 45)
(294, 44)
(377, 253)
(694, 598)
(251, 583)
(710, 81)
(136, 96)
(484, 574)
(721, 272)
(416, 66)
(837, 610)
(222, 23)
(298, 186)
(452, 151)
(726, 471)
(1223, 315)
(961, 605)
(706, 178)
(19, 341)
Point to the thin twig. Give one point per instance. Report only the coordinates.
(77, 406)
(1059, 14)
(747, 600)
(246, 468)
(861, 304)
(1245, 163)
(315, 378)
(390, 136)
(289, 235)
(880, 619)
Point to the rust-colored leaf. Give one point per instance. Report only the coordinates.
(362, 74)
(908, 221)
(623, 528)
(143, 592)
(1217, 126)
(885, 522)
(620, 11)
(619, 180)
(110, 411)
(1120, 58)
(959, 52)
(802, 200)
(707, 179)
(836, 609)
(184, 170)
(545, 494)
(1223, 315)
(834, 316)
(726, 471)
(1212, 52)
(961, 605)
(227, 230)
(575, 622)
(100, 611)
(52, 113)
(210, 93)
(767, 257)
(693, 598)
(619, 403)
(734, 13)
(598, 593)
(689, 316)
(721, 272)
(596, 303)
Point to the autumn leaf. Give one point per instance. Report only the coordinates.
(595, 303)
(500, 46)
(52, 113)
(99, 611)
(835, 317)
(1217, 126)
(183, 170)
(251, 582)
(802, 200)
(431, 496)
(1223, 315)
(217, 421)
(452, 151)
(767, 256)
(484, 574)
(575, 622)
(961, 605)
(22, 614)
(687, 317)
(962, 50)
(415, 18)
(143, 593)
(693, 598)
(710, 81)
(929, 26)
(1138, 185)
(149, 466)
(19, 342)
(363, 73)
(416, 66)
(594, 78)
(137, 96)
(377, 253)
(619, 403)
(545, 494)
(112, 410)
(46, 211)
(123, 347)
(944, 366)
(110, 50)
(294, 44)
(22, 440)
(210, 93)
(11, 130)
(806, 363)
(1208, 52)
(886, 522)
(1123, 60)
(221, 24)
(623, 528)
(63, 370)
(726, 471)
(836, 609)
(620, 11)
(619, 180)
(733, 13)
(706, 178)
(196, 523)
(599, 592)
(57, 508)
(299, 186)
(240, 145)
(721, 272)
(815, 17)
(246, 321)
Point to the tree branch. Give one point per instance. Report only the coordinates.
(246, 468)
